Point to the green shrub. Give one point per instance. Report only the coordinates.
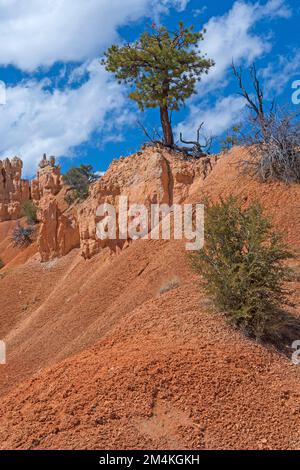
(231, 138)
(79, 180)
(29, 210)
(1, 264)
(242, 267)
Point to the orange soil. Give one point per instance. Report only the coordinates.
(97, 358)
(9, 254)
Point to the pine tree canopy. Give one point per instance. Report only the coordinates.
(163, 66)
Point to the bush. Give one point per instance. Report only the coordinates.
(275, 148)
(272, 134)
(1, 264)
(241, 264)
(29, 210)
(79, 180)
(231, 138)
(22, 235)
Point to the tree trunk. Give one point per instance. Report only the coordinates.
(166, 125)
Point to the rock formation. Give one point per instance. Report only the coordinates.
(154, 176)
(58, 232)
(48, 180)
(13, 190)
(148, 177)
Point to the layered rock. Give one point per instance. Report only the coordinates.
(13, 189)
(48, 181)
(58, 233)
(154, 176)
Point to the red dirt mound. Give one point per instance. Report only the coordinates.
(98, 358)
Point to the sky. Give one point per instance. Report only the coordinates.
(61, 101)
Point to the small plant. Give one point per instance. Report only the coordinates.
(1, 264)
(231, 139)
(79, 180)
(22, 236)
(241, 264)
(169, 285)
(29, 210)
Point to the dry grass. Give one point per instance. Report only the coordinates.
(169, 285)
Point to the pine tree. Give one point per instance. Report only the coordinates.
(79, 180)
(163, 67)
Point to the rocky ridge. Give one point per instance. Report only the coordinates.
(148, 177)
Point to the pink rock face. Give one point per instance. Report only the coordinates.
(148, 177)
(48, 180)
(13, 190)
(59, 232)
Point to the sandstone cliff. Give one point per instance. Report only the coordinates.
(13, 190)
(150, 177)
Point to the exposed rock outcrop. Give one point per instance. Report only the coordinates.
(13, 190)
(150, 177)
(48, 180)
(153, 176)
(58, 233)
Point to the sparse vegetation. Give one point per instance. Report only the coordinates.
(272, 135)
(231, 138)
(79, 180)
(29, 210)
(1, 264)
(169, 285)
(22, 236)
(276, 154)
(163, 67)
(243, 270)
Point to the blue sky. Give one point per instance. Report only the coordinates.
(62, 102)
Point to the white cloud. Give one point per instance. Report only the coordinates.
(274, 9)
(39, 33)
(36, 33)
(36, 120)
(230, 37)
(199, 11)
(226, 112)
(278, 75)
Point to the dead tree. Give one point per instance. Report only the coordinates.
(197, 150)
(273, 136)
(256, 104)
(155, 139)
